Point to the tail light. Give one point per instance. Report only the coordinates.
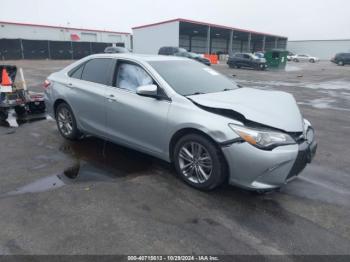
(47, 84)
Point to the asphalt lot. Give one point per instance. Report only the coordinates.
(92, 197)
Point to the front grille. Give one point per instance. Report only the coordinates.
(298, 137)
(300, 164)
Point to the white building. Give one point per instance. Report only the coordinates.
(9, 30)
(323, 49)
(202, 37)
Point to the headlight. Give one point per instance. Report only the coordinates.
(309, 132)
(262, 139)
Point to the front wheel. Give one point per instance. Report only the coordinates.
(312, 60)
(341, 63)
(66, 122)
(261, 67)
(295, 60)
(199, 162)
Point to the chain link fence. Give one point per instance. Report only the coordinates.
(13, 49)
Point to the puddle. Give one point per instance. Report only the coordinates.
(323, 103)
(111, 157)
(330, 85)
(79, 173)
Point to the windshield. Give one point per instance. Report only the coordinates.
(191, 78)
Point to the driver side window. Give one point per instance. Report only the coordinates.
(131, 76)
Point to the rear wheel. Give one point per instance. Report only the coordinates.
(199, 162)
(66, 122)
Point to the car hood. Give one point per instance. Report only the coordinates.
(271, 108)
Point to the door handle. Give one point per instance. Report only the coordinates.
(111, 98)
(70, 85)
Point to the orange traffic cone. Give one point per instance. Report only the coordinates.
(6, 81)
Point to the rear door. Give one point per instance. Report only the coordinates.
(247, 60)
(347, 58)
(135, 120)
(303, 57)
(238, 58)
(87, 95)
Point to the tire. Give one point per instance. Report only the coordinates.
(261, 67)
(295, 60)
(66, 122)
(190, 169)
(20, 110)
(312, 60)
(341, 63)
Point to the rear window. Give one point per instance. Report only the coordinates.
(76, 72)
(98, 71)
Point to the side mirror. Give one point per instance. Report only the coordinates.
(148, 90)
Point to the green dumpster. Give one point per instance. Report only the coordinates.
(276, 58)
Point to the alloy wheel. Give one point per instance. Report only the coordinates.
(195, 162)
(65, 121)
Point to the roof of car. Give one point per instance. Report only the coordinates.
(141, 57)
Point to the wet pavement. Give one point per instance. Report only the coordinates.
(94, 197)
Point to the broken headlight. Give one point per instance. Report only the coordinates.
(262, 139)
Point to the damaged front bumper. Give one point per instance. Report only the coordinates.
(257, 169)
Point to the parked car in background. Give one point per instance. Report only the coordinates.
(239, 60)
(196, 57)
(260, 54)
(341, 59)
(171, 50)
(290, 56)
(305, 58)
(175, 109)
(116, 50)
(176, 51)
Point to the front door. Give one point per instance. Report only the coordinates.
(135, 120)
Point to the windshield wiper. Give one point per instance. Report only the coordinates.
(227, 89)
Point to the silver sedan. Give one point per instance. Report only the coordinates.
(186, 113)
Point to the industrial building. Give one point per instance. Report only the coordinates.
(200, 37)
(11, 30)
(323, 49)
(32, 41)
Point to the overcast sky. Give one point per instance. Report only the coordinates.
(296, 19)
